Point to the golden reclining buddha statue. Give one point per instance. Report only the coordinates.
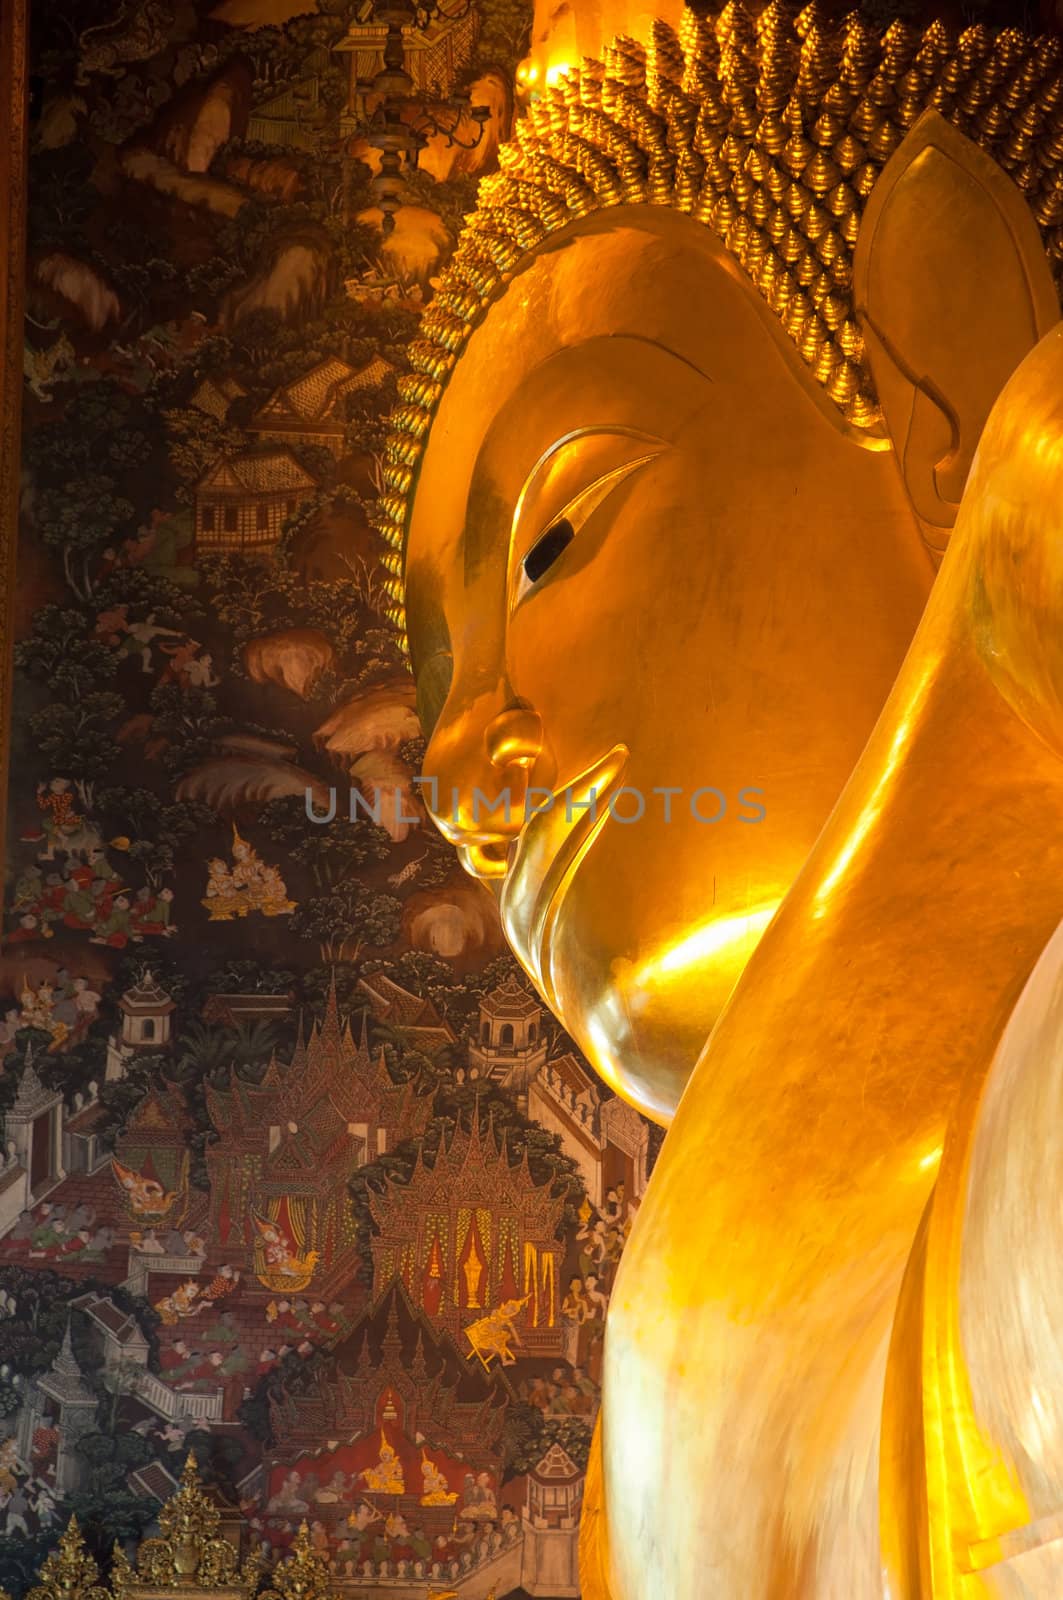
(754, 332)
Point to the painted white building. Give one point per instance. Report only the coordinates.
(550, 1557)
(59, 1399)
(147, 1012)
(510, 1045)
(606, 1137)
(33, 1128)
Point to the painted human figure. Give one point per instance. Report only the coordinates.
(386, 1477)
(288, 1499)
(59, 816)
(335, 1491)
(435, 1490)
(220, 895)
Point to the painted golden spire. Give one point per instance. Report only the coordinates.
(303, 1575)
(69, 1573)
(773, 132)
(190, 1554)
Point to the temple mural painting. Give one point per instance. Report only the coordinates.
(297, 1174)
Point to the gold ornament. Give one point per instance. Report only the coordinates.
(69, 1573)
(303, 1575)
(191, 1554)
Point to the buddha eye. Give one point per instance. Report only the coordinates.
(573, 516)
(546, 550)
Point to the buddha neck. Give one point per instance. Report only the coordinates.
(913, 926)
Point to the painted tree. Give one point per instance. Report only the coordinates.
(107, 1509)
(195, 441)
(77, 737)
(528, 1435)
(78, 516)
(348, 918)
(242, 975)
(329, 852)
(156, 828)
(504, 36)
(63, 653)
(87, 469)
(188, 720)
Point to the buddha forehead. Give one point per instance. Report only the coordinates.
(615, 322)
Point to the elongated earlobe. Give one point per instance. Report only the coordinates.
(952, 289)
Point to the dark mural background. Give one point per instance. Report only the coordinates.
(296, 1173)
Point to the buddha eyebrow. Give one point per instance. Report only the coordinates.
(616, 431)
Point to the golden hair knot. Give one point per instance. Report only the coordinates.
(773, 132)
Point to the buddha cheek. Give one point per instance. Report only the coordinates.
(596, 652)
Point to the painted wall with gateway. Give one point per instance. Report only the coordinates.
(296, 1172)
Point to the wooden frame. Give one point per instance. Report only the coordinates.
(14, 45)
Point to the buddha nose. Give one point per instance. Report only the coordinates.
(476, 778)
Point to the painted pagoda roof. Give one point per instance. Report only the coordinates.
(31, 1097)
(393, 1334)
(257, 472)
(162, 1111)
(147, 998)
(154, 1482)
(398, 1008)
(472, 1169)
(216, 395)
(87, 1119)
(332, 1084)
(556, 1466)
(228, 1009)
(574, 1076)
(510, 1000)
(394, 1346)
(120, 1325)
(64, 1381)
(313, 397)
(373, 373)
(391, 1002)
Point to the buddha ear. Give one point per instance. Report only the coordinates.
(951, 288)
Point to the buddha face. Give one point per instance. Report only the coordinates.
(657, 592)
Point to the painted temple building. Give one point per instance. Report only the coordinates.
(435, 52)
(58, 1408)
(395, 1413)
(470, 1233)
(309, 410)
(243, 501)
(415, 1021)
(152, 1159)
(33, 1134)
(606, 1138)
(147, 1018)
(510, 1045)
(286, 1148)
(602, 1133)
(550, 1564)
